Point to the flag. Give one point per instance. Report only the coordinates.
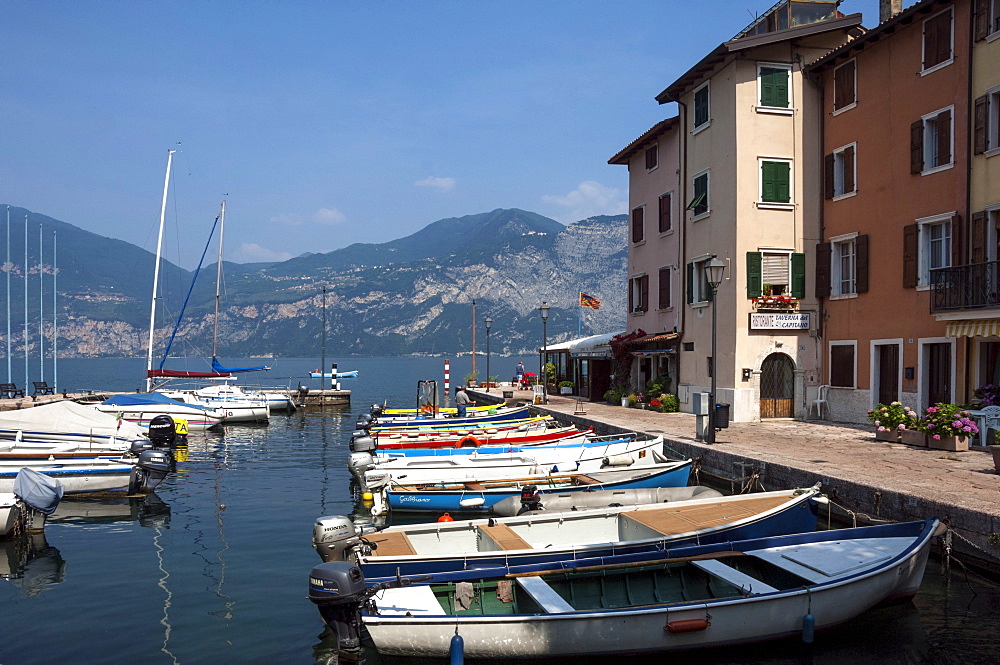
(589, 301)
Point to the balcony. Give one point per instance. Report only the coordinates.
(972, 286)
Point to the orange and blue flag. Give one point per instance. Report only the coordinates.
(589, 301)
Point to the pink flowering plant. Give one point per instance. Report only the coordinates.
(943, 420)
(988, 394)
(892, 416)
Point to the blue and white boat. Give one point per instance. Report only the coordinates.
(95, 475)
(140, 408)
(477, 497)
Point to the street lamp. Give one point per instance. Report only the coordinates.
(544, 311)
(489, 322)
(715, 269)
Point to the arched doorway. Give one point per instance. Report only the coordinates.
(777, 387)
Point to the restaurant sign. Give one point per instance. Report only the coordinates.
(779, 321)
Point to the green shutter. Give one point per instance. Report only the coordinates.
(766, 86)
(690, 283)
(775, 182)
(774, 87)
(706, 288)
(754, 274)
(799, 275)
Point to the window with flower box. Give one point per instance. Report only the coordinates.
(776, 277)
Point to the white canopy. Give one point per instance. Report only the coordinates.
(69, 418)
(588, 345)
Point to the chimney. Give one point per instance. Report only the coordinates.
(888, 8)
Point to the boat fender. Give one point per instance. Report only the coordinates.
(456, 650)
(446, 518)
(808, 628)
(471, 440)
(623, 459)
(687, 625)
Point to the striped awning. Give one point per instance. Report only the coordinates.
(973, 328)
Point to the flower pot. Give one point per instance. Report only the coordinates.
(913, 438)
(624, 401)
(565, 390)
(996, 457)
(953, 443)
(887, 435)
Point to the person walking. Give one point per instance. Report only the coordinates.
(462, 401)
(519, 372)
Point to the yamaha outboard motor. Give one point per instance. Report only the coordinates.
(140, 445)
(375, 410)
(530, 498)
(336, 538)
(162, 431)
(338, 590)
(151, 468)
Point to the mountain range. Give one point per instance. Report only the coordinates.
(411, 295)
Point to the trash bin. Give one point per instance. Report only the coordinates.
(721, 416)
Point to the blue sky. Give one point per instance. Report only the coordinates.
(328, 123)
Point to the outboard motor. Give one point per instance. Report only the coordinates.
(161, 431)
(139, 445)
(338, 590)
(40, 494)
(358, 463)
(530, 498)
(362, 444)
(364, 422)
(336, 538)
(151, 468)
(376, 410)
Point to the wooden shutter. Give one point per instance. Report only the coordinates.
(637, 224)
(823, 252)
(664, 288)
(754, 272)
(849, 169)
(666, 202)
(910, 249)
(861, 264)
(943, 121)
(644, 292)
(917, 146)
(982, 19)
(767, 86)
(930, 43)
(775, 182)
(690, 283)
(779, 88)
(943, 23)
(798, 275)
(980, 141)
(652, 157)
(977, 238)
(843, 85)
(957, 241)
(829, 176)
(631, 295)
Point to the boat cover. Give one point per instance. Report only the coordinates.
(182, 374)
(68, 418)
(38, 490)
(148, 399)
(217, 366)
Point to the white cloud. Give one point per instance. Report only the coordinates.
(253, 253)
(329, 216)
(588, 199)
(440, 184)
(287, 218)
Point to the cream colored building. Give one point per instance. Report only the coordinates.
(750, 135)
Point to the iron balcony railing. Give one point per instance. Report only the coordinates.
(972, 286)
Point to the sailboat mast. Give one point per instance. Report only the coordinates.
(55, 313)
(156, 273)
(25, 300)
(41, 305)
(218, 278)
(8, 267)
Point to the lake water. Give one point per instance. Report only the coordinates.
(213, 568)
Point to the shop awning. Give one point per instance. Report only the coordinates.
(595, 344)
(973, 328)
(658, 337)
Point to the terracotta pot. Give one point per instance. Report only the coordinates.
(913, 438)
(891, 435)
(953, 443)
(996, 457)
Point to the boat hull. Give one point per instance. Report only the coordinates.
(77, 476)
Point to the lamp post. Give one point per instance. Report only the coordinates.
(544, 311)
(489, 322)
(715, 269)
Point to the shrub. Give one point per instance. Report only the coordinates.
(989, 394)
(566, 384)
(943, 420)
(894, 416)
(670, 403)
(659, 386)
(614, 396)
(633, 399)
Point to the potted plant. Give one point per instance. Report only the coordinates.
(988, 394)
(948, 427)
(566, 387)
(892, 420)
(470, 379)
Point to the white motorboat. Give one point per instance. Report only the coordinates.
(140, 408)
(67, 421)
(95, 474)
(233, 411)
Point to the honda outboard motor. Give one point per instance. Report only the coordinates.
(338, 590)
(358, 463)
(161, 431)
(151, 468)
(336, 538)
(362, 444)
(530, 498)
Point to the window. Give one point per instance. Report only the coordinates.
(638, 294)
(931, 142)
(666, 207)
(776, 272)
(652, 157)
(843, 267)
(699, 203)
(775, 181)
(937, 41)
(773, 89)
(845, 92)
(698, 288)
(664, 289)
(986, 122)
(637, 230)
(839, 172)
(842, 364)
(927, 245)
(702, 110)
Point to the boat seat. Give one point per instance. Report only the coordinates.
(391, 543)
(586, 480)
(504, 537)
(473, 485)
(415, 600)
(736, 578)
(543, 594)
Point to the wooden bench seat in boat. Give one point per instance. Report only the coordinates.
(543, 594)
(733, 576)
(503, 537)
(473, 485)
(672, 520)
(416, 600)
(391, 543)
(586, 480)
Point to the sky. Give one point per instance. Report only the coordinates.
(328, 123)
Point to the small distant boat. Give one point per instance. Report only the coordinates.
(349, 374)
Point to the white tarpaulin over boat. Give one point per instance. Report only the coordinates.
(70, 418)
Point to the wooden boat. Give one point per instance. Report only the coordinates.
(683, 598)
(477, 497)
(418, 549)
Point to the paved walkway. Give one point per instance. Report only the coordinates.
(880, 479)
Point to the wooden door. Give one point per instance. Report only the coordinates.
(777, 387)
(938, 373)
(888, 373)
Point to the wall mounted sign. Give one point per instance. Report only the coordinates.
(779, 321)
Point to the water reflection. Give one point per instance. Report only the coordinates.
(32, 565)
(148, 510)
